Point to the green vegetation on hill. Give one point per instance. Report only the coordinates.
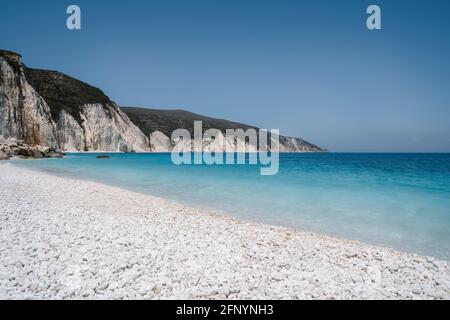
(62, 92)
(166, 121)
(13, 59)
(9, 53)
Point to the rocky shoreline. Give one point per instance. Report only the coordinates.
(20, 150)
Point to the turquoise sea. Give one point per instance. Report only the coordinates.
(395, 200)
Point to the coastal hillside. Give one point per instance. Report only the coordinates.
(49, 108)
(166, 121)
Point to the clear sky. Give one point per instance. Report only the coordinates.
(310, 68)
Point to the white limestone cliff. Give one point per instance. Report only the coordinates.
(24, 115)
(159, 142)
(107, 128)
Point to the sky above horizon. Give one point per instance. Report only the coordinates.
(310, 68)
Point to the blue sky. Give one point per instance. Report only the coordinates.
(310, 68)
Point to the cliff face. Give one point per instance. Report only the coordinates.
(101, 128)
(49, 108)
(24, 115)
(42, 107)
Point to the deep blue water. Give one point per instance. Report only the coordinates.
(396, 200)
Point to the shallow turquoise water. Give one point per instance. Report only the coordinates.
(397, 200)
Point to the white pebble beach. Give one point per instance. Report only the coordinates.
(63, 238)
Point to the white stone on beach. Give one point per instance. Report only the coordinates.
(92, 241)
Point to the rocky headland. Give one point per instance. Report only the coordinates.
(49, 108)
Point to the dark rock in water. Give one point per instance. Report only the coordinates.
(54, 154)
(103, 157)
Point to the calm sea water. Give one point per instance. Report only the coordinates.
(396, 200)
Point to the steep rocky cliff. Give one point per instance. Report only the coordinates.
(49, 108)
(24, 114)
(42, 107)
(86, 119)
